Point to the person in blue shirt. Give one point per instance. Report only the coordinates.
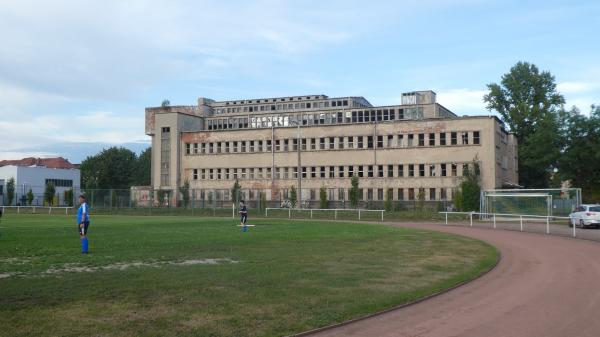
(83, 222)
(244, 215)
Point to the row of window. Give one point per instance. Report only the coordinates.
(284, 106)
(338, 143)
(320, 118)
(369, 171)
(339, 194)
(60, 182)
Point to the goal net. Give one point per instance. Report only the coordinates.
(545, 202)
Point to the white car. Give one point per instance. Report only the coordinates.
(585, 215)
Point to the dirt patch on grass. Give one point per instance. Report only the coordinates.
(80, 268)
(77, 268)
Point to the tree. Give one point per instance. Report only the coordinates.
(235, 191)
(165, 103)
(49, 193)
(293, 196)
(113, 198)
(142, 169)
(10, 190)
(539, 153)
(421, 199)
(68, 197)
(353, 193)
(467, 199)
(388, 205)
(30, 197)
(580, 158)
(161, 195)
(185, 193)
(263, 200)
(323, 197)
(113, 168)
(526, 100)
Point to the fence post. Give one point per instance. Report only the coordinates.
(66, 210)
(574, 233)
(232, 210)
(311, 215)
(50, 210)
(18, 210)
(521, 218)
(266, 212)
(446, 217)
(494, 220)
(335, 214)
(547, 225)
(471, 218)
(289, 213)
(381, 215)
(359, 214)
(33, 209)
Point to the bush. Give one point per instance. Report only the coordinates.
(323, 197)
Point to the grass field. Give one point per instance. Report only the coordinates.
(185, 276)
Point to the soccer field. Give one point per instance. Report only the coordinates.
(186, 276)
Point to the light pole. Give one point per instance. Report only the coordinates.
(299, 144)
(23, 196)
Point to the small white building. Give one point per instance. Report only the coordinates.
(34, 174)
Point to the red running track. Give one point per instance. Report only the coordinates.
(544, 286)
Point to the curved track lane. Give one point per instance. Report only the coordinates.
(543, 286)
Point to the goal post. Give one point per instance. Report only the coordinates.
(544, 202)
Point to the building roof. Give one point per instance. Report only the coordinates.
(56, 163)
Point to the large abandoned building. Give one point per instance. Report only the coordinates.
(415, 150)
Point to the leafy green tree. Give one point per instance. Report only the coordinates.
(293, 196)
(470, 190)
(539, 153)
(235, 192)
(161, 195)
(323, 197)
(526, 99)
(353, 193)
(142, 170)
(68, 197)
(30, 197)
(263, 200)
(165, 103)
(112, 168)
(10, 190)
(421, 199)
(113, 198)
(388, 205)
(185, 193)
(580, 158)
(49, 193)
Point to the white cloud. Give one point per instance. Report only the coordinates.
(68, 67)
(463, 101)
(14, 155)
(576, 87)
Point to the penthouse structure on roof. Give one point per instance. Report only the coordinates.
(416, 148)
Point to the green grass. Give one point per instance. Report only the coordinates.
(291, 276)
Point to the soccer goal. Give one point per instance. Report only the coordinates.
(545, 202)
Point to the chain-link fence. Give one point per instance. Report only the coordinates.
(145, 200)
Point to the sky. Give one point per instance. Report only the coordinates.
(75, 76)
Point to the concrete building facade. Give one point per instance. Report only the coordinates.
(415, 150)
(35, 178)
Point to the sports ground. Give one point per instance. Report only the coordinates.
(191, 276)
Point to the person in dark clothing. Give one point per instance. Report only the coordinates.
(244, 216)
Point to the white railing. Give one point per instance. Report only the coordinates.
(34, 208)
(335, 211)
(493, 217)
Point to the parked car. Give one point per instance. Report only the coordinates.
(585, 215)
